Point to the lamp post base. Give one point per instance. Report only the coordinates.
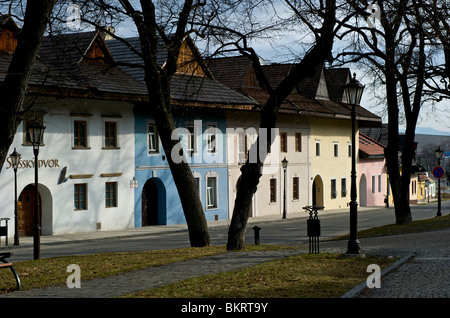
(353, 247)
(354, 250)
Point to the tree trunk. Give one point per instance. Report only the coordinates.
(158, 86)
(15, 85)
(184, 181)
(251, 172)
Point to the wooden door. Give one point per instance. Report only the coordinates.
(26, 206)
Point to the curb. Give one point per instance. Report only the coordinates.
(357, 290)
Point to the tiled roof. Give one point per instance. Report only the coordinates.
(184, 87)
(67, 54)
(379, 134)
(61, 66)
(232, 71)
(369, 147)
(336, 79)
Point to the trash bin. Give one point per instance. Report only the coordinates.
(313, 228)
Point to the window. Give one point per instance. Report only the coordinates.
(243, 147)
(343, 187)
(79, 134)
(111, 194)
(80, 196)
(152, 139)
(336, 149)
(110, 134)
(211, 139)
(273, 190)
(295, 188)
(191, 145)
(373, 184)
(379, 183)
(211, 192)
(283, 142)
(349, 150)
(298, 142)
(317, 148)
(333, 189)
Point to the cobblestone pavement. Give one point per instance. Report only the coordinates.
(427, 274)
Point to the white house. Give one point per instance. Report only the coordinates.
(86, 158)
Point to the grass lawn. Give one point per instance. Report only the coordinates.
(302, 276)
(432, 224)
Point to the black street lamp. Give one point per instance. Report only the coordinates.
(15, 159)
(439, 154)
(284, 163)
(36, 130)
(353, 91)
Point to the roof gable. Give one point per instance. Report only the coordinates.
(75, 48)
(8, 34)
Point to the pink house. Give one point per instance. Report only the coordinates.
(371, 172)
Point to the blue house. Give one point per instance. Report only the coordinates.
(199, 104)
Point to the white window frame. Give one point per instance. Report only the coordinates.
(156, 139)
(81, 119)
(210, 140)
(117, 132)
(208, 191)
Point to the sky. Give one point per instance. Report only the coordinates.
(432, 120)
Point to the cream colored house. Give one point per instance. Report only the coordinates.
(330, 162)
(313, 134)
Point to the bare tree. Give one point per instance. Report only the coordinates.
(234, 27)
(395, 49)
(15, 83)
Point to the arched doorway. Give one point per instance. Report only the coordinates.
(317, 191)
(25, 208)
(154, 203)
(150, 204)
(363, 190)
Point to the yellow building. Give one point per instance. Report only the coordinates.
(315, 135)
(331, 142)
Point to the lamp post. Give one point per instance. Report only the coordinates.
(284, 163)
(439, 154)
(15, 158)
(36, 130)
(353, 91)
